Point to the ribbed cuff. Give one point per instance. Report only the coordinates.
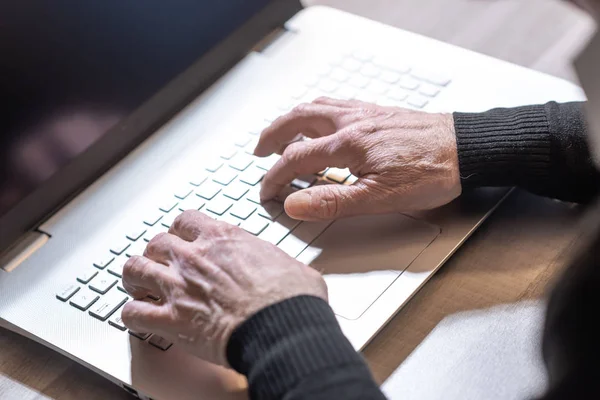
(286, 342)
(503, 147)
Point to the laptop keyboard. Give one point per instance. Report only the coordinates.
(229, 186)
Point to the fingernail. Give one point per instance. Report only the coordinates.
(297, 204)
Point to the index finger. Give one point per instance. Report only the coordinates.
(190, 225)
(310, 119)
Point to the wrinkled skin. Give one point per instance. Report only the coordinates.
(405, 160)
(210, 277)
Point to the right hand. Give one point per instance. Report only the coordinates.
(405, 160)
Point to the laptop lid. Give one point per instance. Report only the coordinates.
(82, 83)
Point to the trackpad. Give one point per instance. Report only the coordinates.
(361, 257)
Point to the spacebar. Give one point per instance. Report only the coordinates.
(302, 236)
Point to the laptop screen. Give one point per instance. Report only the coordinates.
(71, 69)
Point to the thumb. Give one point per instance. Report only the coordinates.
(327, 202)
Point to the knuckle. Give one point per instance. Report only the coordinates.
(133, 267)
(321, 99)
(294, 152)
(156, 243)
(301, 109)
(326, 205)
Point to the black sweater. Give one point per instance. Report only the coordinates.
(296, 350)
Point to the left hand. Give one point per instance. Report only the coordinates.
(210, 277)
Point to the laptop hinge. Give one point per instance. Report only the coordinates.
(25, 248)
(269, 39)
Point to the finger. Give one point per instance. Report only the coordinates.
(191, 225)
(311, 120)
(327, 202)
(147, 317)
(163, 247)
(306, 158)
(142, 277)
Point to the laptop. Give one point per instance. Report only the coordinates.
(118, 116)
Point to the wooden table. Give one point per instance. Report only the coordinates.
(513, 257)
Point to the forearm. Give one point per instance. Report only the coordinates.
(296, 350)
(539, 148)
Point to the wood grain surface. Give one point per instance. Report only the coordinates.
(515, 254)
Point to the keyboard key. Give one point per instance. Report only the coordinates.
(390, 64)
(116, 321)
(103, 283)
(137, 249)
(304, 182)
(120, 247)
(107, 305)
(142, 336)
(351, 65)
(302, 236)
(87, 275)
(398, 94)
(135, 234)
(338, 175)
(192, 203)
(214, 165)
(429, 90)
(252, 176)
(241, 162)
(67, 292)
(183, 191)
(155, 230)
(359, 81)
(219, 205)
(431, 77)
(351, 180)
(271, 210)
(368, 97)
(104, 262)
(299, 92)
(255, 224)
(153, 218)
(362, 55)
(409, 83)
(267, 163)
(229, 153)
(225, 176)
(328, 86)
(249, 149)
(370, 70)
(199, 179)
(243, 141)
(230, 219)
(236, 190)
(278, 230)
(417, 101)
(116, 268)
(378, 87)
(390, 77)
(340, 75)
(160, 342)
(168, 205)
(208, 190)
(323, 70)
(312, 81)
(83, 299)
(254, 195)
(168, 219)
(243, 209)
(346, 93)
(322, 173)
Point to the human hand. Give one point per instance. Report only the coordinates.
(210, 277)
(405, 160)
